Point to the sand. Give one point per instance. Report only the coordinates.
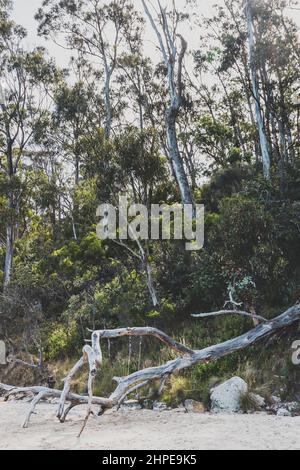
(145, 430)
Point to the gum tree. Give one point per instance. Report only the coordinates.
(173, 48)
(25, 77)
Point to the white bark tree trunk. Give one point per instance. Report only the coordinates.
(8, 254)
(174, 63)
(10, 229)
(175, 157)
(258, 111)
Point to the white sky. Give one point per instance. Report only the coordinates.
(24, 11)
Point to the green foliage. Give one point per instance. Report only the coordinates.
(61, 341)
(178, 391)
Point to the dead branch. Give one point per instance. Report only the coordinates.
(230, 312)
(92, 356)
(131, 390)
(14, 360)
(34, 402)
(67, 385)
(145, 331)
(126, 385)
(41, 393)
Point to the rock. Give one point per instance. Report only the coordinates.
(274, 405)
(131, 405)
(225, 398)
(283, 412)
(193, 406)
(261, 402)
(293, 407)
(276, 400)
(285, 409)
(159, 406)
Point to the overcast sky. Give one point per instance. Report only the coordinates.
(24, 11)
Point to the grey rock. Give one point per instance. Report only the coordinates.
(275, 399)
(225, 398)
(293, 407)
(283, 412)
(261, 402)
(159, 406)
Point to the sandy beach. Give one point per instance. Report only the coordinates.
(145, 430)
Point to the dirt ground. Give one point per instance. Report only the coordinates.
(145, 430)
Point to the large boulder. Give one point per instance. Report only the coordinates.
(226, 397)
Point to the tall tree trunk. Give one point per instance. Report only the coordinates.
(175, 157)
(173, 58)
(8, 254)
(258, 111)
(268, 100)
(283, 154)
(108, 107)
(10, 224)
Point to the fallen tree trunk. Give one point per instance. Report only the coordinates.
(92, 356)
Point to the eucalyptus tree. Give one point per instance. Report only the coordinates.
(25, 77)
(251, 55)
(173, 48)
(97, 30)
(276, 52)
(255, 90)
(109, 34)
(73, 118)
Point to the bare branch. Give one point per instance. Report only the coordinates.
(159, 37)
(67, 386)
(44, 392)
(184, 46)
(131, 390)
(146, 331)
(230, 312)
